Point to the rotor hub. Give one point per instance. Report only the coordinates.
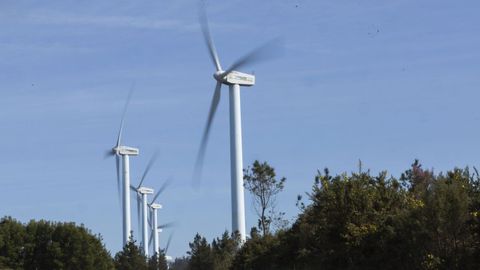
(219, 76)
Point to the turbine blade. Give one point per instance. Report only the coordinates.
(208, 37)
(265, 52)
(150, 218)
(108, 154)
(119, 180)
(119, 137)
(167, 225)
(162, 188)
(150, 242)
(149, 166)
(168, 243)
(203, 144)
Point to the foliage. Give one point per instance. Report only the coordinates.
(158, 261)
(255, 253)
(130, 258)
(224, 250)
(216, 256)
(180, 263)
(48, 245)
(421, 220)
(12, 243)
(200, 253)
(260, 180)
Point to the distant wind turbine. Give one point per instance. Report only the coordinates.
(125, 152)
(154, 227)
(142, 203)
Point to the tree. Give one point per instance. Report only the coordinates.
(158, 261)
(200, 253)
(49, 245)
(224, 249)
(218, 255)
(422, 221)
(256, 252)
(12, 237)
(179, 264)
(130, 258)
(261, 181)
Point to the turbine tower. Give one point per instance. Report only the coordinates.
(142, 207)
(124, 153)
(143, 192)
(234, 79)
(155, 228)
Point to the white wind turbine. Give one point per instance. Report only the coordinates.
(234, 80)
(142, 204)
(125, 152)
(154, 227)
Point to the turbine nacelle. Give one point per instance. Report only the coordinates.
(235, 77)
(145, 190)
(126, 150)
(156, 206)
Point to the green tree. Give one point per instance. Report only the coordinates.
(158, 261)
(360, 221)
(261, 181)
(12, 243)
(420, 221)
(179, 264)
(200, 253)
(257, 252)
(49, 245)
(224, 249)
(130, 258)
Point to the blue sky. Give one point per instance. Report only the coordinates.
(381, 81)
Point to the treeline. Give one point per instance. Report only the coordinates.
(47, 245)
(420, 220)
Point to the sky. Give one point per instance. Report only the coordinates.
(386, 82)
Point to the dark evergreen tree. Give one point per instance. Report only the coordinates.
(224, 250)
(12, 244)
(158, 261)
(179, 264)
(200, 253)
(130, 258)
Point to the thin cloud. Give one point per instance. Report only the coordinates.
(128, 22)
(109, 21)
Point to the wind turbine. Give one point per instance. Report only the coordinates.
(144, 192)
(234, 79)
(124, 152)
(155, 228)
(142, 207)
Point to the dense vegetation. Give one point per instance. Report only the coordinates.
(47, 245)
(421, 220)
